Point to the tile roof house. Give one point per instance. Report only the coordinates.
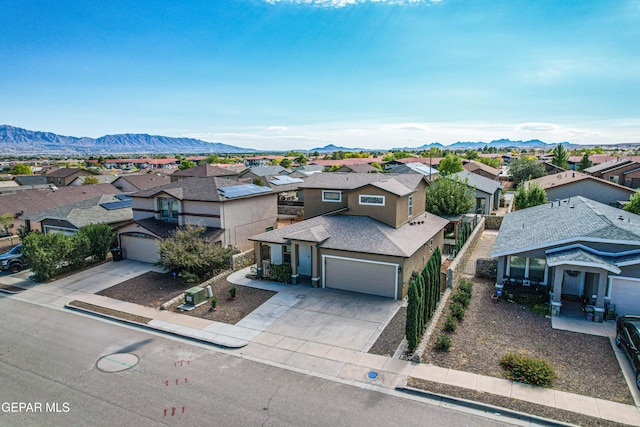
(64, 176)
(571, 183)
(112, 209)
(138, 182)
(230, 211)
(364, 233)
(573, 248)
(487, 191)
(206, 170)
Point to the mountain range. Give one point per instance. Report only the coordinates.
(17, 141)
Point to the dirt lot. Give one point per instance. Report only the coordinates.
(153, 289)
(584, 364)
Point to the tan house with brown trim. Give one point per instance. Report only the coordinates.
(367, 234)
(230, 212)
(65, 176)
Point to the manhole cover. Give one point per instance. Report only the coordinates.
(117, 362)
(372, 375)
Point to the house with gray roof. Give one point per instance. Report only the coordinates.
(363, 233)
(112, 209)
(415, 167)
(64, 176)
(206, 170)
(262, 172)
(487, 191)
(138, 182)
(573, 249)
(230, 211)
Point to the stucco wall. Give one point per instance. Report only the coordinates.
(457, 266)
(244, 218)
(314, 206)
(591, 189)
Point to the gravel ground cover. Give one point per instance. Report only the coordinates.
(392, 336)
(153, 289)
(584, 364)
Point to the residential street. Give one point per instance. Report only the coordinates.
(48, 360)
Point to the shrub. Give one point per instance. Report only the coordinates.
(232, 292)
(280, 272)
(541, 309)
(462, 298)
(190, 277)
(214, 302)
(465, 286)
(457, 310)
(443, 343)
(528, 370)
(450, 324)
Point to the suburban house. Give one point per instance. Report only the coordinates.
(620, 170)
(231, 213)
(207, 170)
(307, 170)
(32, 201)
(102, 179)
(128, 164)
(64, 176)
(366, 233)
(113, 209)
(431, 162)
(481, 169)
(262, 172)
(572, 183)
(573, 248)
(251, 162)
(487, 191)
(358, 168)
(415, 167)
(597, 159)
(30, 179)
(137, 182)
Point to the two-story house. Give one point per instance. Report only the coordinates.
(364, 233)
(63, 177)
(230, 212)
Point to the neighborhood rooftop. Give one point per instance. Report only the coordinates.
(399, 184)
(201, 189)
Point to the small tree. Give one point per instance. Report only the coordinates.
(526, 167)
(449, 196)
(100, 237)
(258, 181)
(90, 180)
(21, 169)
(47, 253)
(286, 163)
(186, 164)
(186, 251)
(634, 204)
(560, 157)
(584, 163)
(529, 196)
(6, 219)
(412, 326)
(450, 164)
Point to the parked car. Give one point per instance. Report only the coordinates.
(13, 260)
(628, 338)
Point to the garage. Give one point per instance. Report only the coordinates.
(625, 294)
(139, 247)
(358, 275)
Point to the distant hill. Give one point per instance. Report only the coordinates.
(18, 141)
(331, 148)
(498, 143)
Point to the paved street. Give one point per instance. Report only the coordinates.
(48, 357)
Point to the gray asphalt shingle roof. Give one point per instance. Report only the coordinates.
(481, 183)
(565, 221)
(399, 184)
(359, 234)
(579, 256)
(199, 189)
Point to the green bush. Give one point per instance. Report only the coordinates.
(443, 343)
(450, 324)
(526, 369)
(280, 272)
(457, 310)
(541, 309)
(465, 286)
(462, 298)
(190, 277)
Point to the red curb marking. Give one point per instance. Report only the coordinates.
(176, 381)
(183, 409)
(185, 380)
(165, 412)
(166, 383)
(173, 411)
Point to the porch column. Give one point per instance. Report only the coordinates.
(294, 263)
(602, 289)
(258, 251)
(500, 272)
(556, 304)
(315, 267)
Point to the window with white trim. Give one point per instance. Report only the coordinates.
(331, 196)
(365, 199)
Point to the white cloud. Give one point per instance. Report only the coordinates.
(277, 129)
(536, 127)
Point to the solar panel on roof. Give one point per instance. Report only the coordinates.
(242, 190)
(123, 196)
(117, 205)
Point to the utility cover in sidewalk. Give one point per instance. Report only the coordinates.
(117, 362)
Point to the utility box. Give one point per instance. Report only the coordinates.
(195, 296)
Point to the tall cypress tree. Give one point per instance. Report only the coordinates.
(411, 326)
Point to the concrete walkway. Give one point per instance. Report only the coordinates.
(264, 336)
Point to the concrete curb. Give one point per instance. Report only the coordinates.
(484, 407)
(151, 328)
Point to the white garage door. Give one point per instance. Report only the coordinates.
(625, 294)
(367, 277)
(139, 248)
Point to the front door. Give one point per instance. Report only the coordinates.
(572, 284)
(304, 260)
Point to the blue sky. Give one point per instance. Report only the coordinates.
(284, 74)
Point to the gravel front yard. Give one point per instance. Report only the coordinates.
(584, 364)
(153, 289)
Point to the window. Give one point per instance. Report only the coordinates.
(410, 206)
(268, 229)
(168, 209)
(331, 196)
(286, 254)
(371, 200)
(518, 265)
(536, 268)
